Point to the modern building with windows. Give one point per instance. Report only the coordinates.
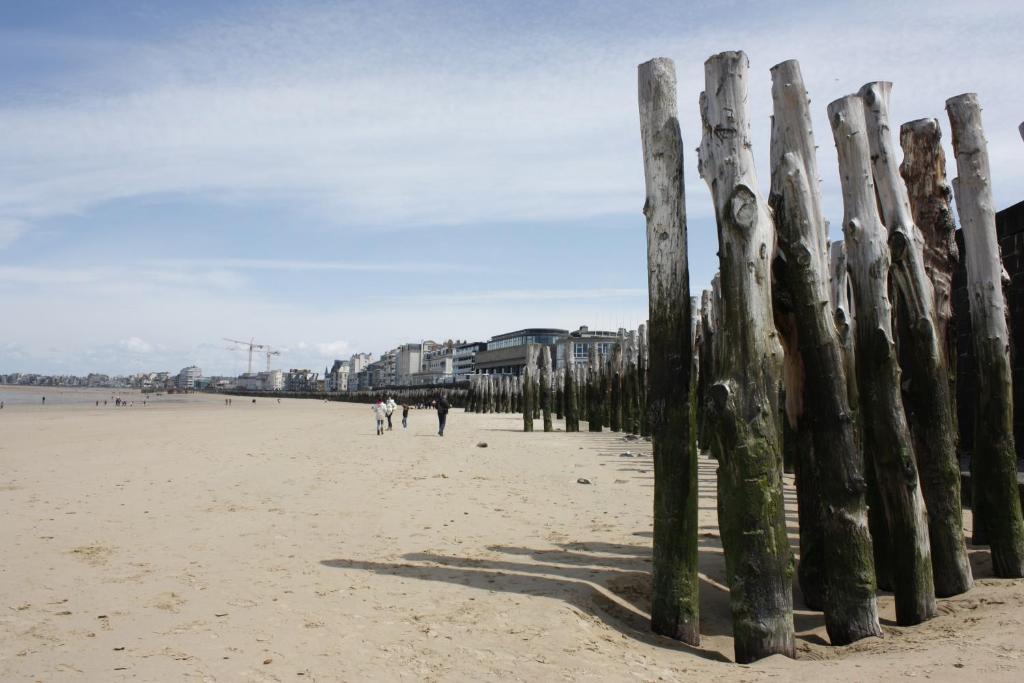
(575, 346)
(506, 353)
(187, 378)
(464, 357)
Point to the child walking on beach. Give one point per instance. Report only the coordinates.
(378, 411)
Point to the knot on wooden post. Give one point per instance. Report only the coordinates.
(743, 206)
(899, 242)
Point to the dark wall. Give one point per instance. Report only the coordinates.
(1010, 228)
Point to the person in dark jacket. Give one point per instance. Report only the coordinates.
(441, 403)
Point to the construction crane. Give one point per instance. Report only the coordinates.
(253, 346)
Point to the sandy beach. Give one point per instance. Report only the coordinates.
(287, 542)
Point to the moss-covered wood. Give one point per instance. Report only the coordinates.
(831, 467)
(886, 433)
(925, 372)
(744, 393)
(674, 594)
(995, 501)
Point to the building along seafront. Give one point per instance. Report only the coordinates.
(506, 354)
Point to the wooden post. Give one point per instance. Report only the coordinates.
(593, 390)
(527, 379)
(706, 373)
(924, 172)
(572, 420)
(994, 500)
(886, 434)
(615, 375)
(922, 357)
(674, 592)
(744, 392)
(832, 470)
(642, 359)
(545, 387)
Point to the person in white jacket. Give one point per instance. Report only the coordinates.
(380, 413)
(389, 410)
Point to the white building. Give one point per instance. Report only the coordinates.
(356, 364)
(187, 378)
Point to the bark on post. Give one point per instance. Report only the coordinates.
(744, 392)
(674, 593)
(922, 357)
(886, 433)
(545, 387)
(706, 373)
(572, 421)
(995, 501)
(834, 462)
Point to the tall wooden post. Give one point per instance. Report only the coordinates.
(674, 593)
(994, 499)
(922, 357)
(835, 462)
(642, 359)
(886, 433)
(527, 380)
(744, 393)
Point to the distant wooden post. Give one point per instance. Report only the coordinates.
(616, 389)
(594, 397)
(642, 359)
(545, 387)
(994, 500)
(922, 357)
(572, 421)
(744, 393)
(886, 433)
(527, 379)
(674, 593)
(832, 471)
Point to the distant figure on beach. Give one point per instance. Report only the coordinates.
(97, 404)
(44, 400)
(442, 413)
(379, 412)
(405, 416)
(389, 410)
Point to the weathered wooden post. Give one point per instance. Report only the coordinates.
(674, 592)
(616, 389)
(922, 357)
(642, 359)
(705, 374)
(572, 420)
(744, 392)
(527, 379)
(886, 434)
(924, 172)
(545, 387)
(558, 384)
(593, 390)
(994, 498)
(842, 311)
(832, 471)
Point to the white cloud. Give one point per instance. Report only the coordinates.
(335, 349)
(135, 345)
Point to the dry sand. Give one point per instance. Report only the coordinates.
(287, 542)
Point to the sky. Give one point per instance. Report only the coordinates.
(336, 177)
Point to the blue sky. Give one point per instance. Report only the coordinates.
(340, 177)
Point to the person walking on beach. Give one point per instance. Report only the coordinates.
(405, 416)
(389, 410)
(379, 413)
(442, 413)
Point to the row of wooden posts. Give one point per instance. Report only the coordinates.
(838, 353)
(607, 392)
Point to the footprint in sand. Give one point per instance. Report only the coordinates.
(93, 554)
(169, 602)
